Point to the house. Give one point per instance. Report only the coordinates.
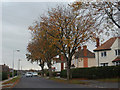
(83, 58)
(108, 54)
(5, 68)
(59, 63)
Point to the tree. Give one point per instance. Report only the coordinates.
(34, 55)
(68, 30)
(106, 12)
(44, 49)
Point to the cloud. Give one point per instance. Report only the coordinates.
(16, 18)
(38, 0)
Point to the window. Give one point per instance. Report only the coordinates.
(116, 63)
(117, 52)
(103, 54)
(104, 64)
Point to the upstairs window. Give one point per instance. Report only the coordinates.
(117, 52)
(103, 54)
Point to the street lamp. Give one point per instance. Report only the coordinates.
(18, 67)
(13, 61)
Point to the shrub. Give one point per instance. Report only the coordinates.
(0, 76)
(55, 74)
(94, 72)
(10, 74)
(15, 72)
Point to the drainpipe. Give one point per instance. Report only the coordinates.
(97, 45)
(98, 57)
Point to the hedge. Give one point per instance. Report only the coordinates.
(0, 76)
(94, 72)
(54, 74)
(4, 75)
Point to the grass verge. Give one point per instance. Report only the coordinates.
(72, 81)
(109, 80)
(12, 80)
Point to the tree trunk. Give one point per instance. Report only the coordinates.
(42, 71)
(68, 69)
(68, 72)
(69, 76)
(42, 67)
(50, 69)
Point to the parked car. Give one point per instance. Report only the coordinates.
(35, 74)
(28, 74)
(57, 74)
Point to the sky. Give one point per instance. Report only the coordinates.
(14, 22)
(16, 18)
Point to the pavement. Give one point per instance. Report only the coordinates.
(6, 81)
(39, 82)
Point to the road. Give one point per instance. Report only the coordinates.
(38, 82)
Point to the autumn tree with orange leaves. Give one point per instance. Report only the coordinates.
(67, 29)
(34, 55)
(42, 47)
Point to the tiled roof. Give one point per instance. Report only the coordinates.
(58, 60)
(116, 59)
(107, 45)
(80, 54)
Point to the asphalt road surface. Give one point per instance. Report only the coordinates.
(38, 82)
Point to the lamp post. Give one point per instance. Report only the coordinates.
(13, 61)
(19, 67)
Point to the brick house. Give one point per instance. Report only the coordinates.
(83, 58)
(59, 63)
(5, 68)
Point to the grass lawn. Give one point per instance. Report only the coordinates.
(109, 80)
(12, 80)
(78, 80)
(72, 81)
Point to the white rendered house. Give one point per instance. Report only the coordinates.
(108, 54)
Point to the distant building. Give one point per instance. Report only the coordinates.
(5, 68)
(83, 58)
(108, 53)
(11, 70)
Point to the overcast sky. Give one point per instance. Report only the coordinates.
(16, 18)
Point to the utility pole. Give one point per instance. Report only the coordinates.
(19, 67)
(13, 62)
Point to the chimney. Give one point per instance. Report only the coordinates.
(85, 50)
(97, 42)
(79, 48)
(62, 64)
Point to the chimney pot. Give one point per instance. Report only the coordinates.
(97, 42)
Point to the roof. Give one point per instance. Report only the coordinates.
(58, 60)
(80, 54)
(116, 59)
(107, 45)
